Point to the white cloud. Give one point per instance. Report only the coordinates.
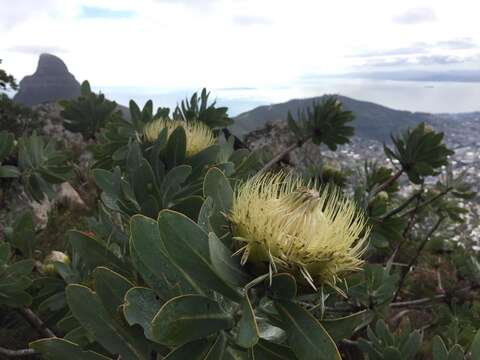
(416, 16)
(174, 44)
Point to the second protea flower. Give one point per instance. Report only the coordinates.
(48, 266)
(316, 236)
(199, 136)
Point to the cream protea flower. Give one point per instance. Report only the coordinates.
(48, 266)
(316, 236)
(199, 135)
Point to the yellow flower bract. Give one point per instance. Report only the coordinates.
(316, 236)
(199, 136)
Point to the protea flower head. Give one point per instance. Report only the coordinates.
(48, 266)
(199, 136)
(315, 236)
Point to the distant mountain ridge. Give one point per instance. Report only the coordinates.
(372, 121)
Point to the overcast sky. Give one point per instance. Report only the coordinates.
(235, 43)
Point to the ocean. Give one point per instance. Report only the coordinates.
(433, 97)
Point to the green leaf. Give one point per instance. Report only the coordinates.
(111, 288)
(176, 147)
(23, 236)
(135, 114)
(284, 287)
(60, 349)
(108, 181)
(106, 329)
(266, 350)
(150, 249)
(147, 112)
(392, 353)
(85, 88)
(225, 265)
(172, 182)
(95, 254)
(384, 333)
(217, 186)
(412, 345)
(475, 347)
(14, 280)
(141, 306)
(189, 206)
(6, 144)
(248, 333)
(188, 246)
(199, 350)
(8, 171)
(306, 336)
(205, 213)
(342, 328)
(187, 318)
(217, 348)
(4, 253)
(456, 353)
(78, 336)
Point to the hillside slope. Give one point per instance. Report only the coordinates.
(372, 121)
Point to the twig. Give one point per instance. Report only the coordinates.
(428, 202)
(402, 206)
(409, 225)
(433, 298)
(417, 302)
(414, 259)
(36, 322)
(387, 183)
(282, 154)
(17, 353)
(237, 143)
(400, 304)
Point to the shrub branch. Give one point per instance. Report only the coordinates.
(268, 166)
(417, 254)
(36, 322)
(17, 353)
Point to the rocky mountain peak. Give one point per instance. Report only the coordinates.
(51, 82)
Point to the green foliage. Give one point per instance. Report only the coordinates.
(326, 174)
(374, 286)
(6, 80)
(15, 118)
(325, 123)
(383, 344)
(156, 272)
(59, 349)
(306, 336)
(456, 352)
(420, 152)
(21, 235)
(41, 165)
(7, 143)
(376, 175)
(14, 279)
(198, 109)
(88, 113)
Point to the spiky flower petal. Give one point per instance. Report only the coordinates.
(316, 236)
(199, 136)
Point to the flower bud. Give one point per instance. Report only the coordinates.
(48, 266)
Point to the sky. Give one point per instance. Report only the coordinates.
(229, 44)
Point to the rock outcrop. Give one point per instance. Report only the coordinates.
(51, 82)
